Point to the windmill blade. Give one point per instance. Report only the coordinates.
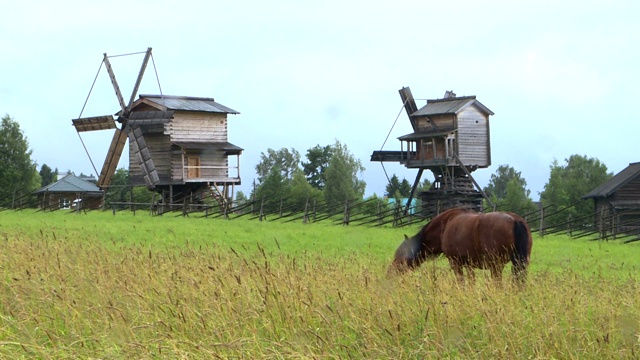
(141, 153)
(409, 103)
(112, 159)
(138, 81)
(105, 122)
(114, 82)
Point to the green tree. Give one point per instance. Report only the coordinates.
(18, 172)
(301, 190)
(284, 160)
(508, 191)
(392, 187)
(275, 174)
(567, 184)
(341, 176)
(47, 175)
(398, 189)
(271, 190)
(497, 187)
(405, 188)
(319, 158)
(119, 191)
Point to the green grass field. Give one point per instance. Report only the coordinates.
(102, 286)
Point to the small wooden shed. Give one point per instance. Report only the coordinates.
(617, 202)
(70, 192)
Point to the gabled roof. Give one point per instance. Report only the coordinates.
(617, 181)
(186, 103)
(70, 184)
(450, 106)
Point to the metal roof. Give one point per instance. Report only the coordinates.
(617, 181)
(227, 147)
(71, 183)
(189, 103)
(450, 106)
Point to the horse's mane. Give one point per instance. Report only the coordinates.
(443, 217)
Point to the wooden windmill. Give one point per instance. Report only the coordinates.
(451, 139)
(178, 145)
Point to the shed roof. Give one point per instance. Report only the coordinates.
(70, 184)
(187, 103)
(450, 106)
(617, 181)
(425, 135)
(227, 147)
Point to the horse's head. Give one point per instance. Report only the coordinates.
(412, 252)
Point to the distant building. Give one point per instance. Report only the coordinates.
(617, 202)
(70, 192)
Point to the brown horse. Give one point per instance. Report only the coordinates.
(470, 240)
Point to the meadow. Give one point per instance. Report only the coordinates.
(106, 286)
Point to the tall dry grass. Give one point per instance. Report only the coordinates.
(68, 294)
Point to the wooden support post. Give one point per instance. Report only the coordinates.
(413, 191)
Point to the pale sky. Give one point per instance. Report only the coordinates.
(561, 76)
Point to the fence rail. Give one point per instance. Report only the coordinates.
(356, 212)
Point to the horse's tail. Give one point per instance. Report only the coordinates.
(520, 255)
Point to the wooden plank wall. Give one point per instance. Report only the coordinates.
(197, 126)
(441, 122)
(473, 137)
(629, 192)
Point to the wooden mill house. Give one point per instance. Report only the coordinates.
(451, 139)
(190, 150)
(178, 145)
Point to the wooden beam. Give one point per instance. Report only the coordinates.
(466, 171)
(114, 82)
(413, 191)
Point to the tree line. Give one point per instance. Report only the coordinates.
(330, 175)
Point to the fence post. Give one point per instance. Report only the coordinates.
(185, 212)
(345, 217)
(281, 201)
(305, 217)
(153, 201)
(603, 228)
(314, 210)
(262, 210)
(542, 220)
